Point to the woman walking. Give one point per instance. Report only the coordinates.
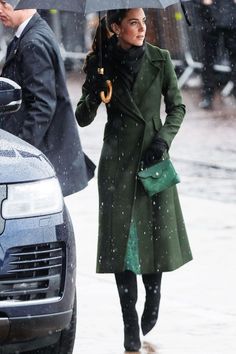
(138, 234)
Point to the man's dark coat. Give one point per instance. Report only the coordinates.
(46, 119)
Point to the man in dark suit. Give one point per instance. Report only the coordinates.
(45, 119)
(218, 19)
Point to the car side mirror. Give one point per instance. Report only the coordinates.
(10, 96)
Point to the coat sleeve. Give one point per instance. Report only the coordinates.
(39, 91)
(86, 109)
(175, 109)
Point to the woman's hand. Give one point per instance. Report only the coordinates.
(155, 151)
(96, 83)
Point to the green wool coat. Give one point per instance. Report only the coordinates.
(133, 120)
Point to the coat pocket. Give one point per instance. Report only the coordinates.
(157, 123)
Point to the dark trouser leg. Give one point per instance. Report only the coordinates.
(210, 38)
(127, 288)
(152, 283)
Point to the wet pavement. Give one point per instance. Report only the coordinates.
(205, 149)
(198, 310)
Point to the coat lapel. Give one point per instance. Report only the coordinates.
(132, 102)
(123, 97)
(149, 70)
(12, 53)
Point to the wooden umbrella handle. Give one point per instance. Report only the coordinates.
(105, 98)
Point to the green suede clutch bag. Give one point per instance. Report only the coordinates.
(158, 177)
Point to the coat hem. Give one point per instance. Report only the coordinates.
(160, 270)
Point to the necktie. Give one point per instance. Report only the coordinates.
(12, 46)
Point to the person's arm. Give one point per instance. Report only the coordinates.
(39, 91)
(90, 100)
(175, 109)
(87, 106)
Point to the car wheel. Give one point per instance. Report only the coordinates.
(65, 343)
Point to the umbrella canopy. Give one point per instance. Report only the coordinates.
(87, 6)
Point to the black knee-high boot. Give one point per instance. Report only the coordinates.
(152, 283)
(127, 289)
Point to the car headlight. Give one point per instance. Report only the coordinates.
(32, 199)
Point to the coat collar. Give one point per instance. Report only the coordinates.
(29, 25)
(148, 72)
(132, 102)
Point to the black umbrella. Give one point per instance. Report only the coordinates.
(88, 6)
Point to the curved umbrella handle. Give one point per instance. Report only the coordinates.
(106, 98)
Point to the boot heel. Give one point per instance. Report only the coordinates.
(132, 341)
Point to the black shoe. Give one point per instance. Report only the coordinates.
(132, 341)
(149, 318)
(152, 283)
(206, 103)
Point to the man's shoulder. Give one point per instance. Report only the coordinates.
(36, 32)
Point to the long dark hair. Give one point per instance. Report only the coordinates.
(102, 32)
(115, 16)
(112, 16)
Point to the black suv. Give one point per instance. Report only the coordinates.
(37, 248)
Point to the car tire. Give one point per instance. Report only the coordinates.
(65, 343)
